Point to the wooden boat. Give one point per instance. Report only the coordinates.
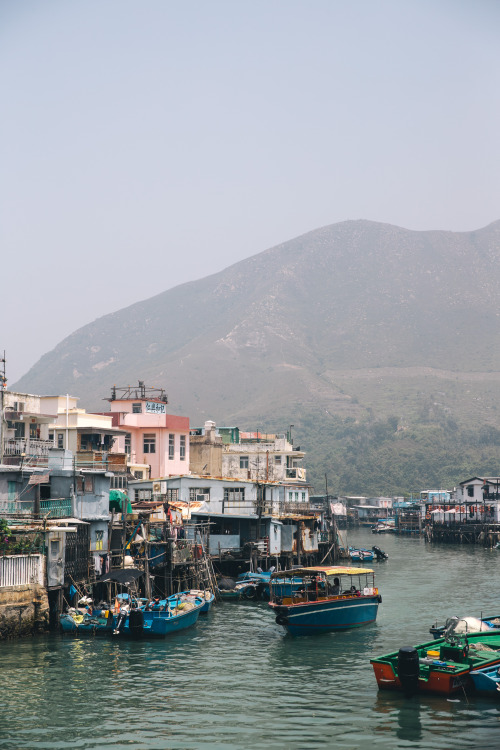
(486, 680)
(363, 555)
(441, 666)
(330, 598)
(465, 625)
(177, 613)
(73, 621)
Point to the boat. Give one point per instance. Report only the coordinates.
(364, 555)
(172, 614)
(242, 590)
(205, 594)
(441, 666)
(330, 598)
(466, 625)
(486, 680)
(262, 580)
(379, 554)
(74, 621)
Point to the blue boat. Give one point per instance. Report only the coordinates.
(363, 555)
(177, 613)
(79, 623)
(262, 580)
(487, 680)
(330, 598)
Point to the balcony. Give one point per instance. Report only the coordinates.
(60, 508)
(31, 447)
(116, 462)
(297, 473)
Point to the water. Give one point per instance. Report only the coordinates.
(237, 681)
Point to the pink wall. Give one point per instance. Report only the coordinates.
(157, 426)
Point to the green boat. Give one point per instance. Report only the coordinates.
(440, 666)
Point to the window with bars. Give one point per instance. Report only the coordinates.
(195, 491)
(149, 443)
(234, 497)
(137, 408)
(182, 448)
(171, 447)
(172, 494)
(128, 443)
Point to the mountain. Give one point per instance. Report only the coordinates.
(380, 345)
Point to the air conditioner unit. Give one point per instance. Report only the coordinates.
(156, 488)
(19, 405)
(163, 486)
(202, 498)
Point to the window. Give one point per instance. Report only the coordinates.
(88, 483)
(243, 462)
(195, 492)
(234, 497)
(60, 439)
(171, 447)
(137, 408)
(172, 495)
(20, 427)
(138, 475)
(149, 443)
(290, 497)
(99, 539)
(277, 460)
(470, 490)
(118, 483)
(182, 448)
(51, 436)
(128, 443)
(54, 547)
(303, 497)
(79, 485)
(296, 497)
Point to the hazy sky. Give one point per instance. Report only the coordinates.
(149, 143)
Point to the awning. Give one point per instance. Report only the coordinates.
(124, 575)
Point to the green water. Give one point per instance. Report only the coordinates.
(236, 680)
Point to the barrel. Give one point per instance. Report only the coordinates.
(408, 669)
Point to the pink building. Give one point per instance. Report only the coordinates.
(152, 437)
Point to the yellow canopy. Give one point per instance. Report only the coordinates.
(329, 570)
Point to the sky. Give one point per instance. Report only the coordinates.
(147, 144)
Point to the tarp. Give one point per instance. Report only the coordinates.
(117, 498)
(328, 570)
(124, 575)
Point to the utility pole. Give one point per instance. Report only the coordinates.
(3, 383)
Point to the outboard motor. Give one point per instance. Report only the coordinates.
(408, 669)
(136, 622)
(380, 554)
(120, 622)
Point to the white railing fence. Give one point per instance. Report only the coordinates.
(21, 570)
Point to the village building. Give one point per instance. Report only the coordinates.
(24, 428)
(231, 452)
(156, 443)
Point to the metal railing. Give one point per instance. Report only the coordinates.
(28, 446)
(60, 508)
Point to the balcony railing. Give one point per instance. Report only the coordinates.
(60, 508)
(28, 446)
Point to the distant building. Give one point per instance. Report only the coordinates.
(258, 456)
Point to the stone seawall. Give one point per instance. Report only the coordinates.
(23, 610)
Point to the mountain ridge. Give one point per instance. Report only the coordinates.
(277, 337)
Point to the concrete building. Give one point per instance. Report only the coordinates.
(153, 439)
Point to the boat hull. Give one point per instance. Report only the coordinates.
(327, 615)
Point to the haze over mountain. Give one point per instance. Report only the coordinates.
(381, 345)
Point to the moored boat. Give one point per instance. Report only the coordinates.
(361, 554)
(487, 680)
(173, 614)
(465, 625)
(81, 623)
(330, 598)
(440, 666)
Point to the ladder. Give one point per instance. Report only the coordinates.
(207, 572)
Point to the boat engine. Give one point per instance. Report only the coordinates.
(408, 669)
(136, 622)
(380, 554)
